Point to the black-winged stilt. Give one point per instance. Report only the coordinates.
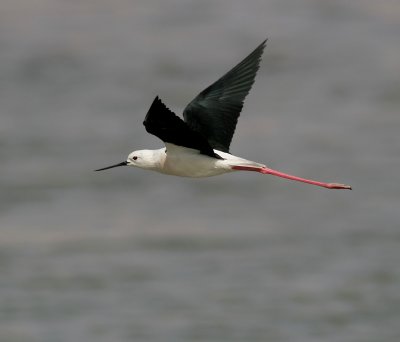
(198, 146)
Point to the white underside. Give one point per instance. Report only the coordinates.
(185, 162)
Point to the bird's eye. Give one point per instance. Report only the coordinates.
(134, 158)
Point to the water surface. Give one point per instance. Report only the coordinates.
(129, 255)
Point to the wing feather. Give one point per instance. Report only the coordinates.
(215, 111)
(164, 124)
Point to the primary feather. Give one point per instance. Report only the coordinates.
(215, 111)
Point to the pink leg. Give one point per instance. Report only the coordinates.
(267, 171)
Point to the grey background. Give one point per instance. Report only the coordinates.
(129, 255)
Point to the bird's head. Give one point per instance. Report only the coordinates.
(141, 158)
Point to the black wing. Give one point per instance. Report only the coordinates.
(215, 111)
(164, 124)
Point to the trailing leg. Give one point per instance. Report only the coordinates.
(267, 171)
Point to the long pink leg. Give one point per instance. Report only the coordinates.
(267, 171)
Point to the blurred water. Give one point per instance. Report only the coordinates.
(127, 255)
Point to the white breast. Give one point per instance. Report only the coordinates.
(186, 162)
(192, 164)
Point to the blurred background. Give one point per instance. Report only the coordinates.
(129, 255)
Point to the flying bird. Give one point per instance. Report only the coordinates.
(198, 145)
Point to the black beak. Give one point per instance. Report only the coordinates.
(116, 165)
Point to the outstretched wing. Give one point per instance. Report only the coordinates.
(215, 111)
(164, 124)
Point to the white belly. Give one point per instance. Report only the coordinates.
(184, 162)
(193, 165)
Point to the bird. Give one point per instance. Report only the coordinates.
(198, 145)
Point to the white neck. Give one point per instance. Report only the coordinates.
(158, 158)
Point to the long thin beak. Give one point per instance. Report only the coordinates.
(110, 167)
